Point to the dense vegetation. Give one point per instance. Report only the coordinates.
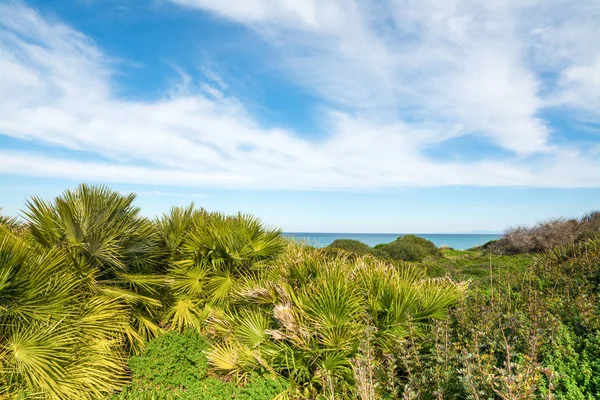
(548, 234)
(356, 247)
(97, 301)
(404, 248)
(174, 365)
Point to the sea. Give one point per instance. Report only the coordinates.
(461, 241)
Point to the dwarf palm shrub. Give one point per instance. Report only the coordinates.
(55, 343)
(308, 317)
(213, 256)
(172, 230)
(107, 245)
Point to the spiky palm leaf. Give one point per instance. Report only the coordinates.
(212, 259)
(318, 310)
(233, 243)
(54, 342)
(107, 244)
(173, 228)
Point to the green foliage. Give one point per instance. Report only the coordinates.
(11, 223)
(171, 360)
(405, 248)
(573, 370)
(475, 266)
(453, 253)
(107, 244)
(174, 366)
(213, 256)
(87, 280)
(528, 335)
(410, 248)
(357, 247)
(321, 309)
(54, 342)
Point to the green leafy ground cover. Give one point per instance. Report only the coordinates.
(175, 366)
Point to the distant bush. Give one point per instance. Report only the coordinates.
(410, 248)
(355, 246)
(548, 234)
(174, 366)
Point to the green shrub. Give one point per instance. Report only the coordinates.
(410, 248)
(174, 366)
(357, 247)
(531, 334)
(327, 323)
(171, 360)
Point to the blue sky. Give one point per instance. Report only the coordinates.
(348, 116)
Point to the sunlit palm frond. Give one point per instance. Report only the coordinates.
(219, 287)
(436, 296)
(174, 226)
(48, 328)
(232, 358)
(250, 327)
(186, 313)
(105, 242)
(235, 242)
(128, 296)
(188, 281)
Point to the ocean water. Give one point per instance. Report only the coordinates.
(456, 241)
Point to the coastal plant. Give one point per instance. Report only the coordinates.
(546, 235)
(55, 342)
(11, 223)
(215, 255)
(309, 320)
(109, 247)
(357, 247)
(172, 229)
(410, 248)
(174, 365)
(528, 335)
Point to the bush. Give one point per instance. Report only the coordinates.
(548, 234)
(174, 366)
(171, 360)
(357, 247)
(534, 334)
(327, 323)
(410, 248)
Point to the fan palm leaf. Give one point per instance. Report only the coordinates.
(55, 343)
(106, 243)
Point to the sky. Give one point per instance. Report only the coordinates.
(396, 116)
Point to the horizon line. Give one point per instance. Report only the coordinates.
(396, 233)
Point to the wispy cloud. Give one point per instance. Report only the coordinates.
(394, 78)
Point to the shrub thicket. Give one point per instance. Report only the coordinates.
(404, 248)
(357, 247)
(410, 248)
(56, 341)
(533, 334)
(548, 234)
(323, 323)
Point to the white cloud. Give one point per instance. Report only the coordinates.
(452, 68)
